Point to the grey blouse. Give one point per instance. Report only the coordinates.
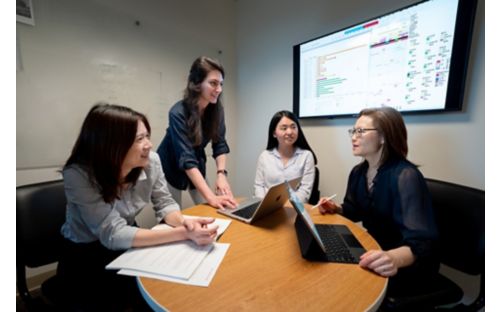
(89, 218)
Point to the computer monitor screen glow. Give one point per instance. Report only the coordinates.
(413, 59)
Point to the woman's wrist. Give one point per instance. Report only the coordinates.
(174, 218)
(221, 176)
(211, 198)
(178, 233)
(185, 232)
(222, 172)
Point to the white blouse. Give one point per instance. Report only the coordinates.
(271, 171)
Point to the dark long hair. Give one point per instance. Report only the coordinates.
(212, 116)
(301, 142)
(106, 135)
(391, 125)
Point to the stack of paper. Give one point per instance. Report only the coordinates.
(181, 262)
(203, 274)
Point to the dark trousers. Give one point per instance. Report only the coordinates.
(88, 286)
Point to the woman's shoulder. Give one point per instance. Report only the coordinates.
(403, 167)
(362, 166)
(153, 169)
(73, 169)
(401, 164)
(154, 161)
(300, 150)
(154, 157)
(177, 115)
(303, 153)
(76, 174)
(267, 153)
(177, 108)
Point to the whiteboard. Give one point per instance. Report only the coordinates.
(69, 62)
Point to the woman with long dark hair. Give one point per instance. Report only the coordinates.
(193, 122)
(287, 156)
(110, 176)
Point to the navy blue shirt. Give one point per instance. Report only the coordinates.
(177, 152)
(397, 211)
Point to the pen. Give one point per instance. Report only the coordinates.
(329, 198)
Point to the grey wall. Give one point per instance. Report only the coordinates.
(447, 146)
(81, 52)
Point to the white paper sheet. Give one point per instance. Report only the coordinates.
(178, 259)
(202, 276)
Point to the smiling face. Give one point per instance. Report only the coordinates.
(368, 144)
(211, 88)
(138, 154)
(286, 132)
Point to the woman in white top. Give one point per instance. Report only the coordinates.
(287, 156)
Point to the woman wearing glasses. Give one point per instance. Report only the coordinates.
(389, 195)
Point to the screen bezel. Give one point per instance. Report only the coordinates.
(300, 209)
(466, 12)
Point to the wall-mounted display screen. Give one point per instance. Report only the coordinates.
(413, 59)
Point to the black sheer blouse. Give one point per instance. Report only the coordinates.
(397, 211)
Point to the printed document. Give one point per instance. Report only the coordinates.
(202, 276)
(177, 261)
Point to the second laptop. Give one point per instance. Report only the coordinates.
(256, 208)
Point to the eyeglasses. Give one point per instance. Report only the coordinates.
(215, 83)
(359, 131)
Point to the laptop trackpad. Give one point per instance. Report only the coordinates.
(351, 241)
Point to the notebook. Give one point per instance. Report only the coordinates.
(324, 242)
(256, 208)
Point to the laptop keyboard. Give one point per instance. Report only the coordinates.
(336, 248)
(247, 212)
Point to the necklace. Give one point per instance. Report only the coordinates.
(371, 173)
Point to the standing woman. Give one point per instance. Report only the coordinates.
(287, 156)
(192, 123)
(110, 176)
(390, 196)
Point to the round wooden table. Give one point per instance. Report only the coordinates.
(263, 270)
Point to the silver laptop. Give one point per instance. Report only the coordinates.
(256, 208)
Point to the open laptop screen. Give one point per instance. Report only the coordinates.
(301, 211)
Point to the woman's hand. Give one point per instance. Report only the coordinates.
(191, 223)
(328, 206)
(199, 231)
(223, 195)
(218, 201)
(380, 262)
(222, 202)
(222, 186)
